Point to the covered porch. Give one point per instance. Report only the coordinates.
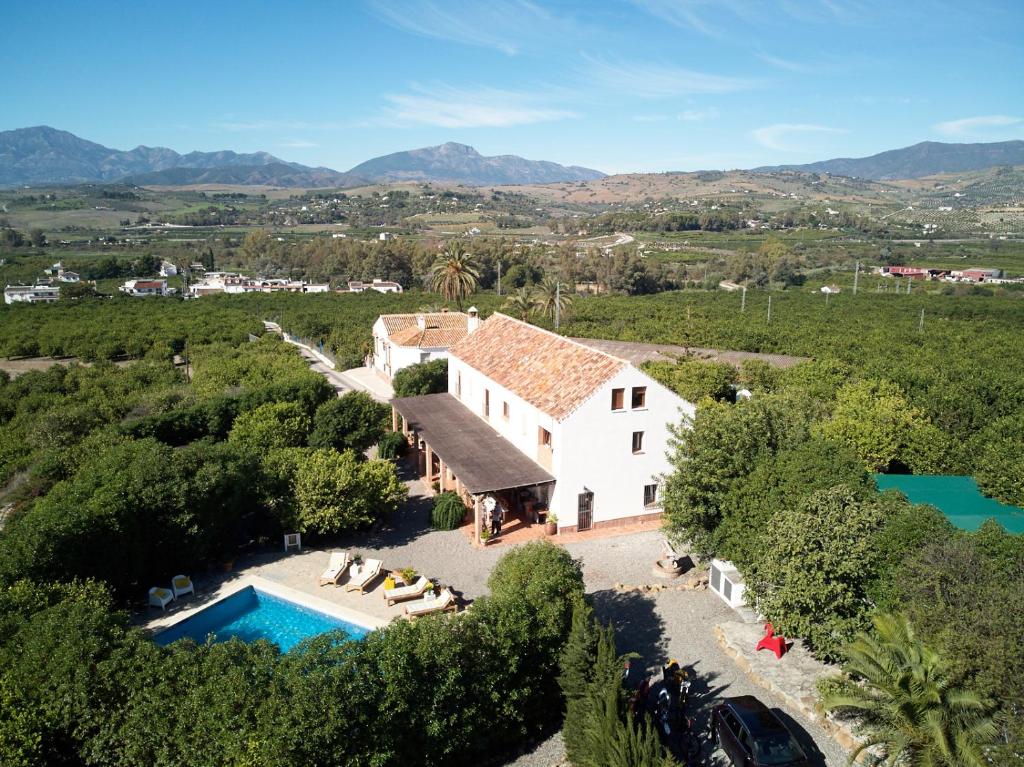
(455, 450)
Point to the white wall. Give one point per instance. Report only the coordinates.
(389, 358)
(521, 427)
(596, 451)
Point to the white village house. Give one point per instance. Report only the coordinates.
(401, 340)
(544, 422)
(146, 288)
(31, 294)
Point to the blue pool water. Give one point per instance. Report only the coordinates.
(251, 614)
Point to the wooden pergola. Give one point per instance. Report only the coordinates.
(473, 458)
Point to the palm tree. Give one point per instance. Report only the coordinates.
(547, 296)
(913, 713)
(520, 304)
(454, 274)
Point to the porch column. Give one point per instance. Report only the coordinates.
(458, 486)
(442, 477)
(477, 517)
(429, 473)
(394, 419)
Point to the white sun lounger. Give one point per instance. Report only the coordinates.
(160, 597)
(182, 585)
(403, 593)
(336, 568)
(445, 601)
(363, 575)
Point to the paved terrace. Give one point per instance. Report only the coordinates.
(637, 353)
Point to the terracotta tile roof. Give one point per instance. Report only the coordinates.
(428, 337)
(441, 329)
(451, 320)
(552, 373)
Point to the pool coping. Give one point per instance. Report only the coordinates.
(162, 623)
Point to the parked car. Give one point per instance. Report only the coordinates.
(752, 736)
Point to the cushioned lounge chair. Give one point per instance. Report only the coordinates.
(363, 575)
(444, 602)
(336, 568)
(403, 593)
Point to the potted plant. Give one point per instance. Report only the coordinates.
(389, 582)
(485, 535)
(551, 523)
(357, 559)
(408, 575)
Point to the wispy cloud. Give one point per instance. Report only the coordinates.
(775, 136)
(299, 144)
(508, 26)
(449, 107)
(658, 81)
(974, 125)
(649, 118)
(718, 18)
(697, 115)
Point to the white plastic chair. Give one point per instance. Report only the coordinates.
(160, 597)
(293, 541)
(182, 585)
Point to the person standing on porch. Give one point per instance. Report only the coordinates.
(497, 516)
(489, 504)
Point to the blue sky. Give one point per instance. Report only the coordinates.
(618, 85)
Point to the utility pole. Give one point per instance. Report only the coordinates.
(856, 274)
(908, 285)
(920, 322)
(769, 309)
(499, 278)
(743, 301)
(558, 300)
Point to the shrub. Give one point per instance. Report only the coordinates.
(391, 445)
(353, 422)
(423, 378)
(448, 513)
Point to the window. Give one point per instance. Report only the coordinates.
(639, 397)
(504, 410)
(638, 442)
(650, 494)
(618, 399)
(543, 437)
(487, 403)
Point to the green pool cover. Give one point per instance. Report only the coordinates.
(958, 498)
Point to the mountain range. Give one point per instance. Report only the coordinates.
(928, 158)
(44, 155)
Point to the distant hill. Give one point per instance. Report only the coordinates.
(272, 174)
(462, 164)
(44, 155)
(928, 158)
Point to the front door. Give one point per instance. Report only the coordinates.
(585, 511)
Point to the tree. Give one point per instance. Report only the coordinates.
(817, 564)
(547, 297)
(910, 706)
(693, 380)
(519, 304)
(335, 491)
(421, 378)
(354, 422)
(270, 426)
(37, 238)
(874, 418)
(454, 275)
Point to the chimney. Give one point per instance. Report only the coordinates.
(474, 319)
(421, 322)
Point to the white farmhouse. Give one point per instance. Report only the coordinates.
(31, 294)
(545, 422)
(381, 286)
(167, 269)
(145, 288)
(400, 340)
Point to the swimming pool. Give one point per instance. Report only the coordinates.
(250, 614)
